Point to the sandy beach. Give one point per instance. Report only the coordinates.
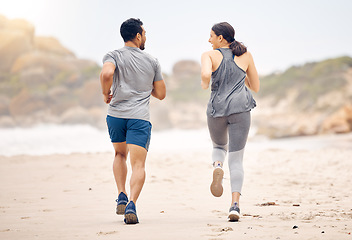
(287, 194)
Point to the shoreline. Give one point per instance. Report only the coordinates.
(58, 139)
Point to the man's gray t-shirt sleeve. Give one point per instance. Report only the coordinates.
(158, 75)
(109, 57)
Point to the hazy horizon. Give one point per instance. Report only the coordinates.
(278, 34)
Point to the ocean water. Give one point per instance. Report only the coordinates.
(66, 139)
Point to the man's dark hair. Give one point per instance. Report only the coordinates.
(130, 28)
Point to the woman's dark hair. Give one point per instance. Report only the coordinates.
(228, 33)
(130, 28)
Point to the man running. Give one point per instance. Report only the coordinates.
(128, 78)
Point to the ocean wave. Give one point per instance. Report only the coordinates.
(67, 139)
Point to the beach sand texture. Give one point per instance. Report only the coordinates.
(300, 194)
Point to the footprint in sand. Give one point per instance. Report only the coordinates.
(168, 180)
(223, 229)
(212, 225)
(106, 233)
(219, 213)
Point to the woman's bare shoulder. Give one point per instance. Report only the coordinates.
(211, 52)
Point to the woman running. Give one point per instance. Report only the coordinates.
(230, 67)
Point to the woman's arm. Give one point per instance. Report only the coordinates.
(252, 79)
(206, 70)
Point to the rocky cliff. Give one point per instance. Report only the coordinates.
(42, 81)
(315, 98)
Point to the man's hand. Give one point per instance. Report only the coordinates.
(107, 97)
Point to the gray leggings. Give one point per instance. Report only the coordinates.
(229, 134)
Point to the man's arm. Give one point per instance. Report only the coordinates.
(106, 79)
(159, 89)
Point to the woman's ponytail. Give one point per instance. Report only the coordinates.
(238, 48)
(228, 33)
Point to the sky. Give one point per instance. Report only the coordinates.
(278, 34)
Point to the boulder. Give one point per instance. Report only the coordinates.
(186, 69)
(51, 45)
(90, 94)
(4, 105)
(36, 59)
(34, 77)
(16, 38)
(25, 104)
(339, 122)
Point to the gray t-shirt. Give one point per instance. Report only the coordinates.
(133, 82)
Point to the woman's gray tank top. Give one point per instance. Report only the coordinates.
(229, 93)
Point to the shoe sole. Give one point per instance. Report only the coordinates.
(216, 186)
(120, 209)
(234, 216)
(131, 218)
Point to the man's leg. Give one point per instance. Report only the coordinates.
(138, 156)
(119, 166)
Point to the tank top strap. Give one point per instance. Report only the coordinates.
(226, 52)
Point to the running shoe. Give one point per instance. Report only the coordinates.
(122, 201)
(234, 213)
(216, 186)
(131, 214)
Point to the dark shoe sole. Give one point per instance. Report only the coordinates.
(131, 218)
(234, 217)
(216, 186)
(120, 209)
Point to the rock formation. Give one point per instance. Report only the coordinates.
(41, 80)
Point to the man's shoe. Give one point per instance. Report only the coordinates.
(234, 213)
(122, 201)
(131, 214)
(216, 186)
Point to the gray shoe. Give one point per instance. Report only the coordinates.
(234, 213)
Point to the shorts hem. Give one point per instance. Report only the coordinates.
(140, 145)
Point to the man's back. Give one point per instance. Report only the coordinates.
(133, 80)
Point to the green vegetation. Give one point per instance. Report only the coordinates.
(91, 72)
(10, 84)
(311, 80)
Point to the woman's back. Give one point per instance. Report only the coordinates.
(229, 94)
(241, 61)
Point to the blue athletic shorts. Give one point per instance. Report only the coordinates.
(131, 131)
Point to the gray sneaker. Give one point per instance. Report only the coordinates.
(234, 213)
